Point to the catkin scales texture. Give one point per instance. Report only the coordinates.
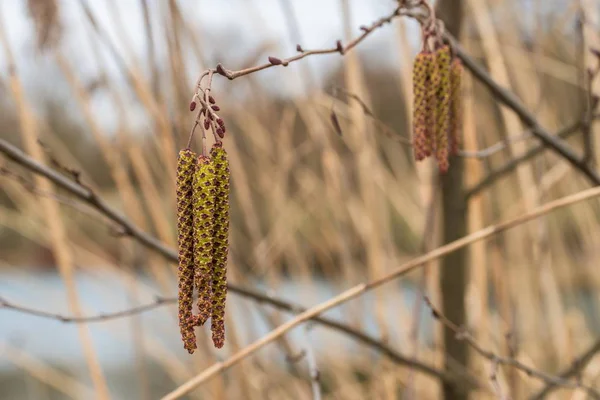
(437, 107)
(204, 203)
(456, 69)
(186, 164)
(442, 109)
(420, 134)
(220, 244)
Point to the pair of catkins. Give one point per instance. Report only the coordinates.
(203, 240)
(437, 105)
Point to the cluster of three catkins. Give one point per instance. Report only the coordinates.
(437, 105)
(203, 239)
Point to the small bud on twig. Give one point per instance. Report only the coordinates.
(221, 71)
(275, 61)
(192, 106)
(339, 47)
(299, 49)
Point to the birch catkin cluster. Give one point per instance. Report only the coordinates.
(203, 242)
(437, 105)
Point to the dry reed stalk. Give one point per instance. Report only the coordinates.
(152, 195)
(46, 18)
(242, 189)
(478, 314)
(115, 162)
(363, 145)
(520, 242)
(179, 79)
(57, 231)
(53, 377)
(143, 91)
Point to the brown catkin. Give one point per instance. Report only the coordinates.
(186, 164)
(455, 105)
(442, 109)
(204, 203)
(432, 83)
(420, 69)
(220, 243)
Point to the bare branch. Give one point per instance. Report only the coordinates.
(462, 334)
(128, 228)
(576, 367)
(510, 100)
(160, 301)
(362, 288)
(339, 48)
(514, 163)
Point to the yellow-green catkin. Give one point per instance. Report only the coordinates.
(420, 116)
(442, 110)
(455, 105)
(220, 243)
(186, 164)
(204, 205)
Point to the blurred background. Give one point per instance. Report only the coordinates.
(105, 86)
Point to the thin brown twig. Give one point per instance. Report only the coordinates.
(510, 100)
(463, 334)
(495, 148)
(158, 302)
(572, 370)
(511, 165)
(31, 188)
(339, 48)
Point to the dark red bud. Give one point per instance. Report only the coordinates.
(275, 61)
(339, 47)
(221, 133)
(192, 106)
(220, 121)
(206, 124)
(221, 70)
(299, 48)
(216, 108)
(211, 100)
(364, 29)
(210, 116)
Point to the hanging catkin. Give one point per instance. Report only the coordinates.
(185, 175)
(204, 206)
(220, 244)
(442, 109)
(421, 141)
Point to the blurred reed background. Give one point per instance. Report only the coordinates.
(313, 212)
